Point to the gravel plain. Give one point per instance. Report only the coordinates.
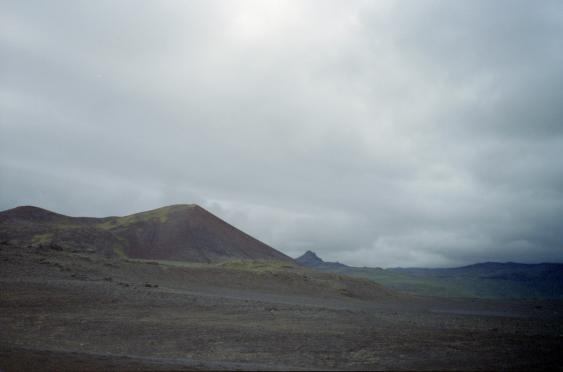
(75, 311)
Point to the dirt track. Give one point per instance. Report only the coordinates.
(65, 311)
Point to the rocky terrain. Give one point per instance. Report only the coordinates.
(68, 304)
(69, 311)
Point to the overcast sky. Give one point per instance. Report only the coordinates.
(377, 133)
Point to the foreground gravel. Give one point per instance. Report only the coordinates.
(69, 311)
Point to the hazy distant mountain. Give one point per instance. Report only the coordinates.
(487, 280)
(178, 232)
(495, 270)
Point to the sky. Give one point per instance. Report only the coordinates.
(375, 133)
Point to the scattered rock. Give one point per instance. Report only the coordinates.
(55, 247)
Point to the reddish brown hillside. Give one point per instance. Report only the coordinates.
(189, 233)
(179, 232)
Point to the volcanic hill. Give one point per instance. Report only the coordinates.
(184, 232)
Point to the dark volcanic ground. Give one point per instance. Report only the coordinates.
(61, 310)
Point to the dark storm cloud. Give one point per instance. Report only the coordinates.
(375, 133)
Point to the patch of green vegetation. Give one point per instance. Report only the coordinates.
(168, 263)
(257, 265)
(42, 238)
(410, 284)
(161, 215)
(119, 251)
(115, 222)
(238, 264)
(452, 286)
(109, 223)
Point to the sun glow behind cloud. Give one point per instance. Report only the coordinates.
(256, 21)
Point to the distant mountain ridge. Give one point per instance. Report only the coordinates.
(498, 270)
(487, 279)
(184, 232)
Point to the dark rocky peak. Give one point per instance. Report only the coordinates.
(310, 258)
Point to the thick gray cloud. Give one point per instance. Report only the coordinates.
(375, 133)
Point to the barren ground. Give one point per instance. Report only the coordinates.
(61, 310)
